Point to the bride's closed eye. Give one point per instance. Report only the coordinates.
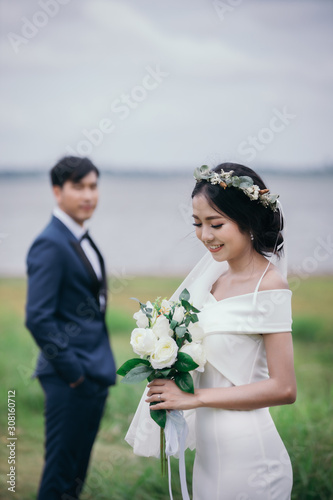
(196, 224)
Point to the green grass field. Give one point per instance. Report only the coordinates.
(306, 427)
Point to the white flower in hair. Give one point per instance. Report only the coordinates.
(215, 179)
(226, 175)
(252, 192)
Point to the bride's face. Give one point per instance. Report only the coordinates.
(220, 235)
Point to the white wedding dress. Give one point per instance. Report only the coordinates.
(239, 454)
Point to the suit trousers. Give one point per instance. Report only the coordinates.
(72, 418)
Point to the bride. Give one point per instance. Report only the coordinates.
(245, 313)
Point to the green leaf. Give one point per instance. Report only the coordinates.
(195, 310)
(185, 363)
(273, 198)
(194, 318)
(202, 172)
(131, 363)
(137, 374)
(185, 382)
(149, 311)
(235, 181)
(173, 324)
(142, 306)
(180, 331)
(137, 300)
(159, 416)
(188, 337)
(185, 295)
(245, 181)
(179, 341)
(187, 306)
(165, 372)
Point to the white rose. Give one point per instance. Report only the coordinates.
(197, 353)
(165, 353)
(165, 306)
(161, 327)
(141, 319)
(196, 331)
(178, 314)
(143, 341)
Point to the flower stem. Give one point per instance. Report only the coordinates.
(162, 452)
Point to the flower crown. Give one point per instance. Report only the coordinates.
(243, 182)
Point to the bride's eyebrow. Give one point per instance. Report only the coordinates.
(212, 217)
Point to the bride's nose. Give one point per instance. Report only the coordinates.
(207, 235)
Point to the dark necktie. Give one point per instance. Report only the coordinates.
(103, 287)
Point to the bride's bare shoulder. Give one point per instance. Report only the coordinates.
(273, 280)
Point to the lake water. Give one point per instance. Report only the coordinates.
(143, 224)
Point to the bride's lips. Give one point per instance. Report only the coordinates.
(215, 248)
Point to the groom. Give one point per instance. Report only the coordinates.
(65, 312)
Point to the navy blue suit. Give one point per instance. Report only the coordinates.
(65, 313)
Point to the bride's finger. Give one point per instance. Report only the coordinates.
(158, 398)
(154, 390)
(156, 382)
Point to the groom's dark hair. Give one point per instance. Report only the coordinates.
(71, 168)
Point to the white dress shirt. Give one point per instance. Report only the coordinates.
(78, 231)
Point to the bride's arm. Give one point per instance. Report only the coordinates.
(278, 389)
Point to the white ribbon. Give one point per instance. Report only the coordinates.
(175, 432)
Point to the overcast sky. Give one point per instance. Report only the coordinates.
(178, 83)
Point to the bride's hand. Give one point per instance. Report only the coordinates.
(168, 396)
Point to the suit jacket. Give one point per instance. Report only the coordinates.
(63, 310)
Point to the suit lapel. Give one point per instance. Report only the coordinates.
(99, 287)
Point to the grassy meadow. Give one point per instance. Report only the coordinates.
(306, 427)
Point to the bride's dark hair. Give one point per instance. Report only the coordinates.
(250, 215)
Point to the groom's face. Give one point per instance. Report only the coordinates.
(78, 199)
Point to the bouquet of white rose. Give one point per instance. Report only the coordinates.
(168, 340)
